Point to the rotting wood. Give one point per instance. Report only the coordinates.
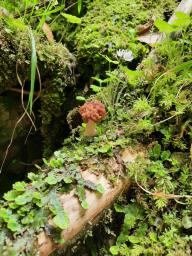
(80, 218)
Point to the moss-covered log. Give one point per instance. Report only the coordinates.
(42, 205)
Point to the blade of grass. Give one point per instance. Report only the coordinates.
(37, 14)
(44, 15)
(79, 5)
(33, 71)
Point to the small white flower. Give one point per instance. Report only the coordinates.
(126, 55)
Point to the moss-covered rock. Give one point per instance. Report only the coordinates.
(56, 67)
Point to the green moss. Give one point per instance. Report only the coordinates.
(111, 25)
(153, 109)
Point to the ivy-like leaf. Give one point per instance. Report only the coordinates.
(20, 186)
(134, 239)
(13, 224)
(114, 250)
(10, 195)
(24, 198)
(67, 180)
(5, 214)
(51, 179)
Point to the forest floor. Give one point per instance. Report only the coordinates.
(147, 98)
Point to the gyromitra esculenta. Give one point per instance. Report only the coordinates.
(92, 113)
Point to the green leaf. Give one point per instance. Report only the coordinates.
(95, 88)
(80, 192)
(24, 198)
(165, 155)
(32, 176)
(21, 200)
(153, 236)
(61, 220)
(133, 75)
(182, 15)
(51, 179)
(100, 188)
(105, 149)
(133, 212)
(48, 12)
(114, 250)
(10, 195)
(156, 151)
(5, 214)
(13, 205)
(79, 5)
(70, 18)
(67, 180)
(39, 219)
(119, 208)
(183, 20)
(37, 195)
(20, 186)
(33, 71)
(163, 26)
(13, 225)
(84, 204)
(134, 239)
(80, 98)
(16, 23)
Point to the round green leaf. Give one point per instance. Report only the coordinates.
(114, 250)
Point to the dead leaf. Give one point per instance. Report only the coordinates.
(47, 30)
(142, 29)
(149, 38)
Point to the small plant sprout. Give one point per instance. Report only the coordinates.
(92, 113)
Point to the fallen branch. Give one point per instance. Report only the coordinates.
(80, 218)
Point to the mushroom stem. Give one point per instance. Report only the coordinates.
(90, 129)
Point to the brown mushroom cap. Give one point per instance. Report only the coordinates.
(94, 111)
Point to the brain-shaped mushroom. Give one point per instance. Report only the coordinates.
(92, 113)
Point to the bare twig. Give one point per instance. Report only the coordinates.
(162, 194)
